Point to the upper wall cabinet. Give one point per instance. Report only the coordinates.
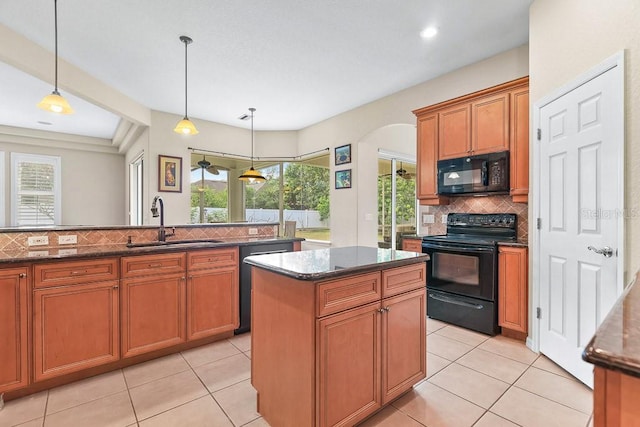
(491, 120)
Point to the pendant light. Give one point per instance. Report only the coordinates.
(252, 176)
(185, 126)
(54, 102)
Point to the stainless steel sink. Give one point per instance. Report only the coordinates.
(171, 242)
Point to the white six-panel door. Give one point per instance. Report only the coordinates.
(580, 148)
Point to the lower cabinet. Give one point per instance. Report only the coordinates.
(75, 327)
(14, 372)
(212, 292)
(153, 313)
(512, 288)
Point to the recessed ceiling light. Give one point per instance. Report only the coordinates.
(44, 123)
(429, 32)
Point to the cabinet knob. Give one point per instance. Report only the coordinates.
(22, 275)
(116, 287)
(387, 309)
(380, 310)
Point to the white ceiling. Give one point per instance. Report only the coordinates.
(297, 62)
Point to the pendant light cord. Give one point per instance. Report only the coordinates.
(252, 111)
(55, 16)
(185, 79)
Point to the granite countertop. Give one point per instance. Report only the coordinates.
(616, 343)
(334, 262)
(516, 244)
(93, 251)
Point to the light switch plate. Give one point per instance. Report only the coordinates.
(38, 241)
(428, 219)
(68, 239)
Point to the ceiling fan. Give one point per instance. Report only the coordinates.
(204, 164)
(402, 173)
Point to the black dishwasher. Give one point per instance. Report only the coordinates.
(245, 277)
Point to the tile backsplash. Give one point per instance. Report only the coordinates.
(489, 204)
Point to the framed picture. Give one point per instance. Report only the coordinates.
(343, 179)
(169, 173)
(343, 154)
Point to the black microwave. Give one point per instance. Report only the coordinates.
(484, 173)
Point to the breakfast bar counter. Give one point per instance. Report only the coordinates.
(336, 333)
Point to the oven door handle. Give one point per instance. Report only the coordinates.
(456, 301)
(461, 249)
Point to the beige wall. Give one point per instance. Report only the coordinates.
(92, 182)
(568, 37)
(355, 127)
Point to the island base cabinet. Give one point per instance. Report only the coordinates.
(153, 313)
(404, 343)
(348, 392)
(13, 329)
(615, 399)
(75, 327)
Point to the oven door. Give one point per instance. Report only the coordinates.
(462, 268)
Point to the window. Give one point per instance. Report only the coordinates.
(135, 191)
(36, 190)
(2, 205)
(294, 191)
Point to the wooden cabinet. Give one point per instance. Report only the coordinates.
(427, 157)
(153, 302)
(490, 120)
(490, 124)
(212, 292)
(14, 372)
(454, 132)
(519, 145)
(615, 399)
(340, 348)
(512, 288)
(75, 316)
(413, 245)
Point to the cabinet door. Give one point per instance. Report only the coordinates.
(153, 313)
(454, 132)
(212, 302)
(348, 372)
(13, 329)
(490, 124)
(519, 145)
(427, 149)
(512, 288)
(75, 327)
(404, 345)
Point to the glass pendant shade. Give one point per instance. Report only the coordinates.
(252, 176)
(55, 103)
(186, 127)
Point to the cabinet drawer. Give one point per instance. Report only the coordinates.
(402, 279)
(145, 265)
(413, 245)
(212, 258)
(74, 272)
(338, 295)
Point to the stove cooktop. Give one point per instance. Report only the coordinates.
(479, 229)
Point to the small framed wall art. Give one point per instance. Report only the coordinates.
(343, 179)
(343, 154)
(169, 173)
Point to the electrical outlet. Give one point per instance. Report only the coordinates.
(38, 253)
(67, 251)
(70, 239)
(253, 231)
(428, 219)
(38, 241)
(444, 218)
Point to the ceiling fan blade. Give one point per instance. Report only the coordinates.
(213, 170)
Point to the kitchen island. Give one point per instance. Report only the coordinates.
(336, 333)
(615, 352)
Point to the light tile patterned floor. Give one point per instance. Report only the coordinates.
(473, 380)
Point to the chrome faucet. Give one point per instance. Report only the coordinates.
(162, 234)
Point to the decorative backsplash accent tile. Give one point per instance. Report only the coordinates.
(489, 204)
(16, 240)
